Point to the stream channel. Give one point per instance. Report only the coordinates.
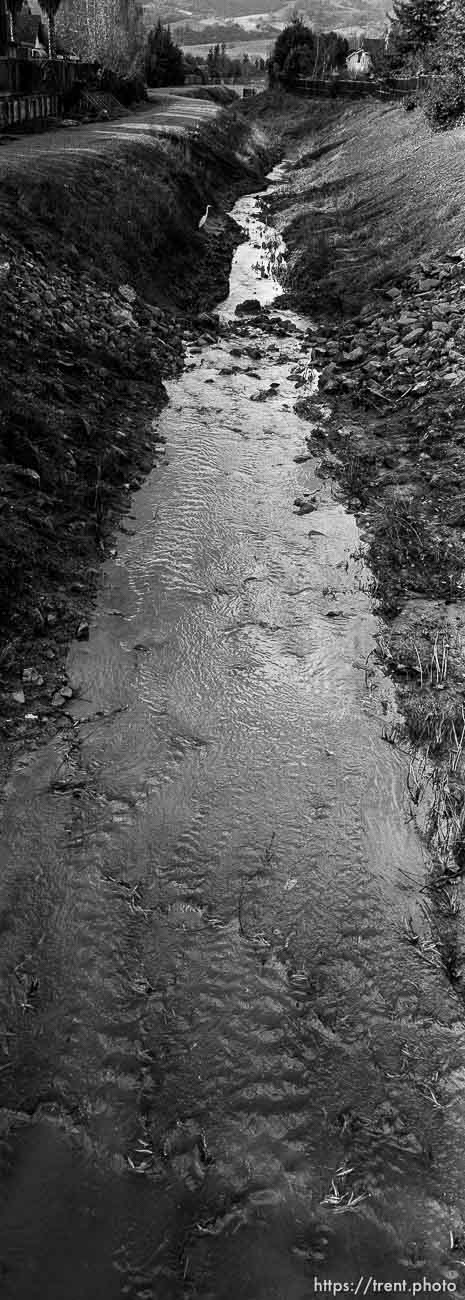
(224, 1071)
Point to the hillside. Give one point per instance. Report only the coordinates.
(340, 15)
(326, 14)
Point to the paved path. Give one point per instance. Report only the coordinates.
(170, 114)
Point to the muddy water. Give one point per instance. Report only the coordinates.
(224, 1072)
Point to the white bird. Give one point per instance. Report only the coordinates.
(204, 218)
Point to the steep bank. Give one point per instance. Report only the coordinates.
(103, 274)
(372, 211)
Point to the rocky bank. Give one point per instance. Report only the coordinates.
(387, 421)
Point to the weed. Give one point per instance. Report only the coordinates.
(268, 855)
(426, 948)
(340, 1199)
(352, 473)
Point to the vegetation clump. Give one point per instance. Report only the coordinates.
(444, 102)
(424, 37)
(164, 64)
(299, 51)
(414, 32)
(428, 36)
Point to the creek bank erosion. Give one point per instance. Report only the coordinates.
(377, 254)
(104, 279)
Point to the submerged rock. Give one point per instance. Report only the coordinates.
(249, 307)
(304, 506)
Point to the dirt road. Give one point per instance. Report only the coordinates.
(179, 114)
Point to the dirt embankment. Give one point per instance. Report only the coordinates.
(104, 277)
(372, 213)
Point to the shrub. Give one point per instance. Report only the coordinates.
(128, 89)
(445, 103)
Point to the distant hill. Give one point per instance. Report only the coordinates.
(340, 15)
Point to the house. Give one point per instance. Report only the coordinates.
(362, 61)
(359, 64)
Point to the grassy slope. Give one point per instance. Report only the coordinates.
(383, 192)
(376, 201)
(373, 195)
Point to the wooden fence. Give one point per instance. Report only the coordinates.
(28, 76)
(28, 112)
(354, 87)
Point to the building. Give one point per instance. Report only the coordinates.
(359, 64)
(362, 61)
(31, 86)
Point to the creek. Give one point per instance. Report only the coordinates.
(225, 1071)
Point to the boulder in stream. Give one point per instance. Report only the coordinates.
(249, 307)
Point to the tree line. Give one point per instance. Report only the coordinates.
(424, 36)
(300, 51)
(429, 36)
(218, 33)
(165, 64)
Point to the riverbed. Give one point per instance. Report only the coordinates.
(225, 1071)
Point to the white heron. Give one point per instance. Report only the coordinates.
(204, 218)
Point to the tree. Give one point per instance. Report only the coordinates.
(415, 27)
(299, 51)
(294, 50)
(164, 63)
(451, 42)
(50, 8)
(333, 51)
(212, 62)
(110, 31)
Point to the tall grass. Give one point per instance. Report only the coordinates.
(378, 218)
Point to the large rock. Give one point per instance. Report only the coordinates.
(127, 292)
(249, 307)
(357, 354)
(413, 337)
